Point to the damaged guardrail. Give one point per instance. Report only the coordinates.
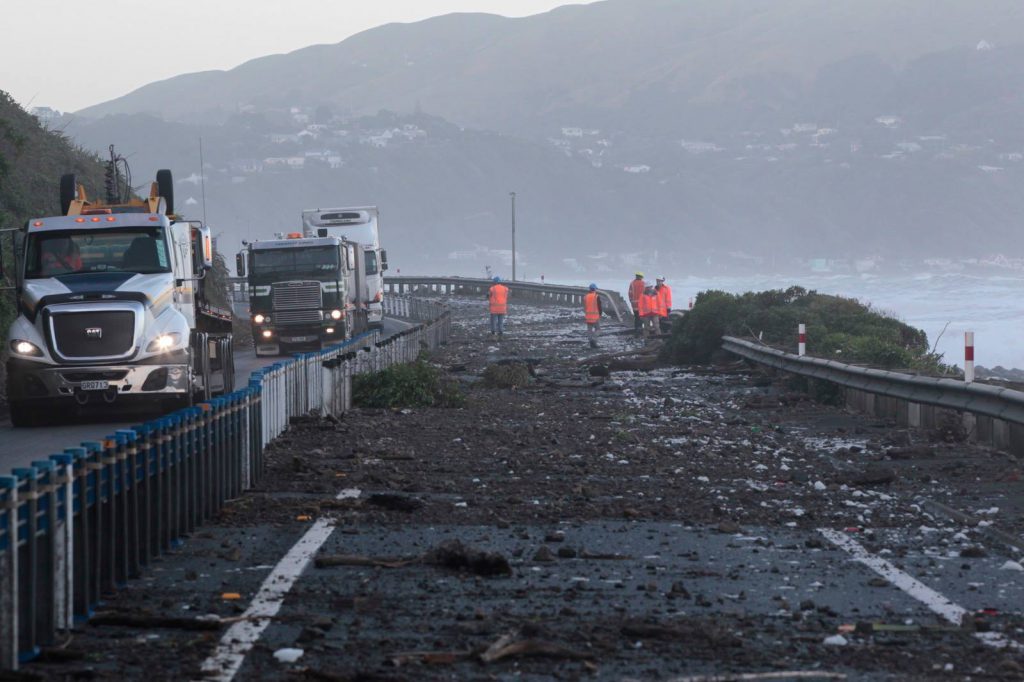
(996, 414)
(80, 524)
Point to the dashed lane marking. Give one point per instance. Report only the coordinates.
(239, 639)
(938, 603)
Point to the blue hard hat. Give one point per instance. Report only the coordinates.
(496, 278)
(593, 287)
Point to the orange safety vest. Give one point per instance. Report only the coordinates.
(498, 297)
(591, 308)
(636, 290)
(664, 300)
(648, 305)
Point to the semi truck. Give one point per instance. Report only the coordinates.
(112, 307)
(299, 292)
(359, 225)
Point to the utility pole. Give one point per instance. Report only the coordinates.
(513, 195)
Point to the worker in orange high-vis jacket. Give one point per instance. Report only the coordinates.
(592, 314)
(497, 298)
(664, 302)
(636, 290)
(648, 307)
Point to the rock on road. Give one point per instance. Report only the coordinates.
(661, 525)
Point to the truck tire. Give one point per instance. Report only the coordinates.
(165, 185)
(68, 191)
(23, 415)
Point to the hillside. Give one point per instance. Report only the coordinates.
(704, 65)
(695, 136)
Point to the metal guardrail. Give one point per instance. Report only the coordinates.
(980, 399)
(543, 293)
(80, 524)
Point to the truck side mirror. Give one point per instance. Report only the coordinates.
(240, 263)
(383, 260)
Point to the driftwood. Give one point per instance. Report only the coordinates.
(429, 657)
(329, 560)
(506, 646)
(780, 675)
(136, 620)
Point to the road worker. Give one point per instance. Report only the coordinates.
(497, 297)
(636, 290)
(664, 302)
(592, 313)
(648, 307)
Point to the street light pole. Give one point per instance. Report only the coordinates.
(513, 195)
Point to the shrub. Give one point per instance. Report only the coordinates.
(837, 327)
(512, 375)
(416, 384)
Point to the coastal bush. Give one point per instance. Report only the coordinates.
(416, 384)
(837, 327)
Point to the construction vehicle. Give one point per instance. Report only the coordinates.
(299, 292)
(360, 226)
(112, 304)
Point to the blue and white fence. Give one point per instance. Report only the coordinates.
(78, 525)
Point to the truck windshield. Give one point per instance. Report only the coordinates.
(67, 252)
(323, 259)
(371, 262)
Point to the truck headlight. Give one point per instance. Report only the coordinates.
(260, 319)
(26, 348)
(267, 333)
(335, 314)
(163, 342)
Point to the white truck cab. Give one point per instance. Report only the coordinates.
(111, 308)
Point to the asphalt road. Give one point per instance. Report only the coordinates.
(20, 447)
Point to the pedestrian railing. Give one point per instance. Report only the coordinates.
(80, 524)
(995, 414)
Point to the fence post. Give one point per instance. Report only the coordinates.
(968, 357)
(802, 340)
(9, 573)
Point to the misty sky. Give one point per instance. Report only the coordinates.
(68, 55)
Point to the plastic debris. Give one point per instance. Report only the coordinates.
(303, 517)
(1011, 566)
(231, 596)
(836, 640)
(288, 655)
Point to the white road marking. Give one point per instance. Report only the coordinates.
(239, 639)
(938, 603)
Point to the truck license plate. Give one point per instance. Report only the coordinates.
(298, 339)
(95, 385)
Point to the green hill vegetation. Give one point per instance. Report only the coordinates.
(839, 328)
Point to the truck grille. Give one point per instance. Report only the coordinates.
(75, 335)
(296, 296)
(296, 316)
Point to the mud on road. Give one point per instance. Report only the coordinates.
(647, 525)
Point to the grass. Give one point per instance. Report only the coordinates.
(416, 384)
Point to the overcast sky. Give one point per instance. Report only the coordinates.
(68, 54)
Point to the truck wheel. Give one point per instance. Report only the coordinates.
(165, 185)
(23, 415)
(68, 191)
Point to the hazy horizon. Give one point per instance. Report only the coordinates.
(204, 37)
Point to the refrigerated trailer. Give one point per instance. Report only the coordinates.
(359, 225)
